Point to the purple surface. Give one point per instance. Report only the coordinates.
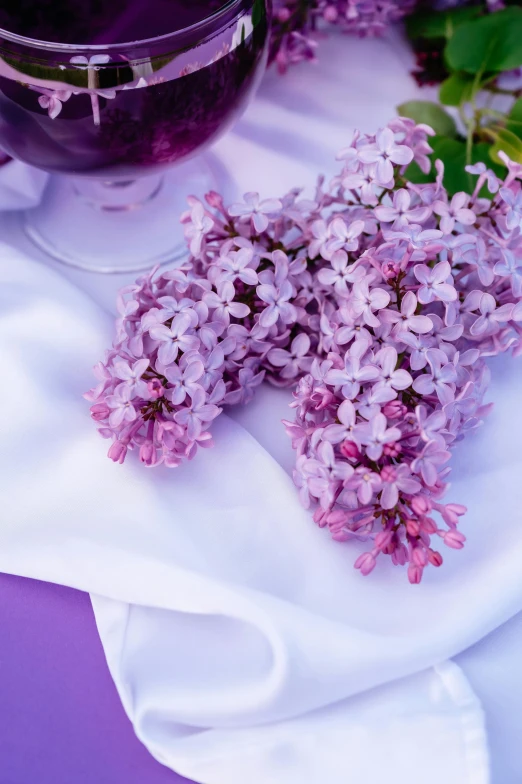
(61, 720)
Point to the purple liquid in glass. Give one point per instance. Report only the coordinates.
(150, 104)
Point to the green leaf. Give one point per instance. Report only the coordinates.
(258, 12)
(514, 120)
(438, 24)
(490, 43)
(452, 153)
(431, 114)
(509, 143)
(456, 89)
(415, 174)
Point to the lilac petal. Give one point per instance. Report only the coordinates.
(267, 293)
(422, 273)
(260, 222)
(279, 357)
(441, 272)
(194, 371)
(238, 309)
(446, 292)
(389, 495)
(208, 412)
(420, 324)
(301, 345)
(401, 379)
(366, 373)
(248, 276)
(424, 384)
(346, 413)
(334, 433)
(269, 316)
(160, 332)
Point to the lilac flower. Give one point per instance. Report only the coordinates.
(132, 374)
(321, 235)
(440, 381)
(352, 375)
(256, 211)
(406, 320)
(430, 426)
(390, 378)
(376, 434)
(401, 212)
(384, 152)
(294, 361)
(434, 283)
(514, 212)
(53, 101)
(364, 302)
(429, 461)
(183, 382)
(175, 339)
(343, 237)
(485, 175)
(454, 212)
(121, 406)
(279, 306)
(490, 317)
(197, 414)
(223, 303)
(201, 224)
(396, 479)
(326, 473)
(341, 273)
(236, 266)
(345, 429)
(366, 483)
(510, 267)
(418, 238)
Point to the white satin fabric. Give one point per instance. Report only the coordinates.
(244, 645)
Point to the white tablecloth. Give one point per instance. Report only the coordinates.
(243, 644)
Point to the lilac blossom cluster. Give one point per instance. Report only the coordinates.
(377, 299)
(296, 23)
(426, 287)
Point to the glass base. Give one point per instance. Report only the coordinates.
(117, 227)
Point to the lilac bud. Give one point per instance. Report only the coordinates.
(419, 556)
(415, 573)
(350, 450)
(452, 512)
(100, 412)
(148, 454)
(421, 505)
(117, 452)
(412, 526)
(434, 557)
(454, 539)
(394, 410)
(383, 539)
(392, 450)
(214, 200)
(365, 562)
(390, 269)
(155, 389)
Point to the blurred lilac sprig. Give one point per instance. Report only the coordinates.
(296, 23)
(378, 297)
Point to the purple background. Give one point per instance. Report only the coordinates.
(62, 722)
(61, 719)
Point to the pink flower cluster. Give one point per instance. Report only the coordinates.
(296, 23)
(379, 298)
